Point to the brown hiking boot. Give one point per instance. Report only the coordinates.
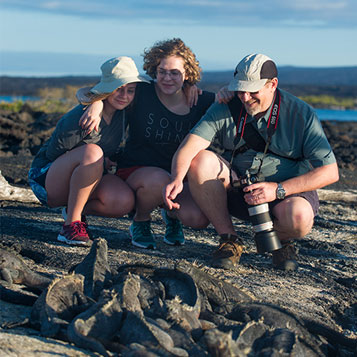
(228, 253)
(285, 257)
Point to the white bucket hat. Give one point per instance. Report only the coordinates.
(117, 72)
(252, 72)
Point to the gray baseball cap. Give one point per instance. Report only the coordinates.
(252, 72)
(117, 72)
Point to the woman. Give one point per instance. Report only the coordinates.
(160, 120)
(69, 170)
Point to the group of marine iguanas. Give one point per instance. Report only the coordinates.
(142, 310)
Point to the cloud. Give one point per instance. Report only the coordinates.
(234, 13)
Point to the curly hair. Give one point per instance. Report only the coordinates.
(173, 47)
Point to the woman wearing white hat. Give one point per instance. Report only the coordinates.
(71, 167)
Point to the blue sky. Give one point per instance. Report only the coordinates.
(45, 37)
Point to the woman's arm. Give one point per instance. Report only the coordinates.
(91, 117)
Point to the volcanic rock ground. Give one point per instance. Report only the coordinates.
(323, 289)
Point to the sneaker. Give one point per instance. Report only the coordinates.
(141, 235)
(74, 234)
(285, 257)
(174, 233)
(83, 219)
(228, 254)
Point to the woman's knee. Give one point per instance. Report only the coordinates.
(117, 201)
(93, 153)
(149, 180)
(194, 219)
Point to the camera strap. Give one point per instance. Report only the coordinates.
(253, 140)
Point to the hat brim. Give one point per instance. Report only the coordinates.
(109, 87)
(246, 86)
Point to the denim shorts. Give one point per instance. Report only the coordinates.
(37, 179)
(237, 206)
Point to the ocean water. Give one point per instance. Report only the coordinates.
(340, 115)
(11, 99)
(323, 114)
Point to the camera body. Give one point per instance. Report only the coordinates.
(266, 239)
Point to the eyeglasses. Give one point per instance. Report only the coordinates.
(173, 74)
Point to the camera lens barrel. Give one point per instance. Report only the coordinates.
(266, 239)
(260, 217)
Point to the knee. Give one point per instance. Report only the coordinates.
(296, 224)
(203, 164)
(302, 223)
(93, 154)
(155, 181)
(196, 220)
(119, 203)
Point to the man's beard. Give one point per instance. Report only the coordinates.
(252, 111)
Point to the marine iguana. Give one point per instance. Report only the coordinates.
(13, 270)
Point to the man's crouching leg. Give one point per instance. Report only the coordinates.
(294, 218)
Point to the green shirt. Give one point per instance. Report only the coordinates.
(299, 142)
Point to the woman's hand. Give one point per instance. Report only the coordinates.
(170, 192)
(91, 118)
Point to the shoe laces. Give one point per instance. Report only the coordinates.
(79, 228)
(142, 228)
(231, 246)
(173, 226)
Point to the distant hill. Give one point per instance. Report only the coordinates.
(338, 81)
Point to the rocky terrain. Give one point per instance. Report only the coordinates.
(322, 292)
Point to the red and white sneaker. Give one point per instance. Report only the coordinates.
(83, 219)
(74, 234)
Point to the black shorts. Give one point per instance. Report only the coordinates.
(237, 206)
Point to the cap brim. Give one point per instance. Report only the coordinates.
(246, 86)
(109, 87)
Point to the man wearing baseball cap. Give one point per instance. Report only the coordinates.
(267, 134)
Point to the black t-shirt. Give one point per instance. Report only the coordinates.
(155, 132)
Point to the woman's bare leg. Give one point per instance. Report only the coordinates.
(72, 177)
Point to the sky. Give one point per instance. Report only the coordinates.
(74, 37)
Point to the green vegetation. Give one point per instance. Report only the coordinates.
(53, 100)
(328, 101)
(43, 105)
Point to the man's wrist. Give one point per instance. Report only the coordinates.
(280, 192)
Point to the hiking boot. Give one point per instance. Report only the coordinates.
(228, 253)
(174, 233)
(83, 219)
(141, 235)
(285, 257)
(74, 234)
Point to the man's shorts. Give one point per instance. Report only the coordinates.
(37, 179)
(237, 206)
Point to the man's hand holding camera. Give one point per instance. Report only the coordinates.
(260, 192)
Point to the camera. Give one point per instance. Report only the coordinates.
(266, 239)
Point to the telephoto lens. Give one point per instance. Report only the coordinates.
(266, 239)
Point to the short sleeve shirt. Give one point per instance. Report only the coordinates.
(298, 144)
